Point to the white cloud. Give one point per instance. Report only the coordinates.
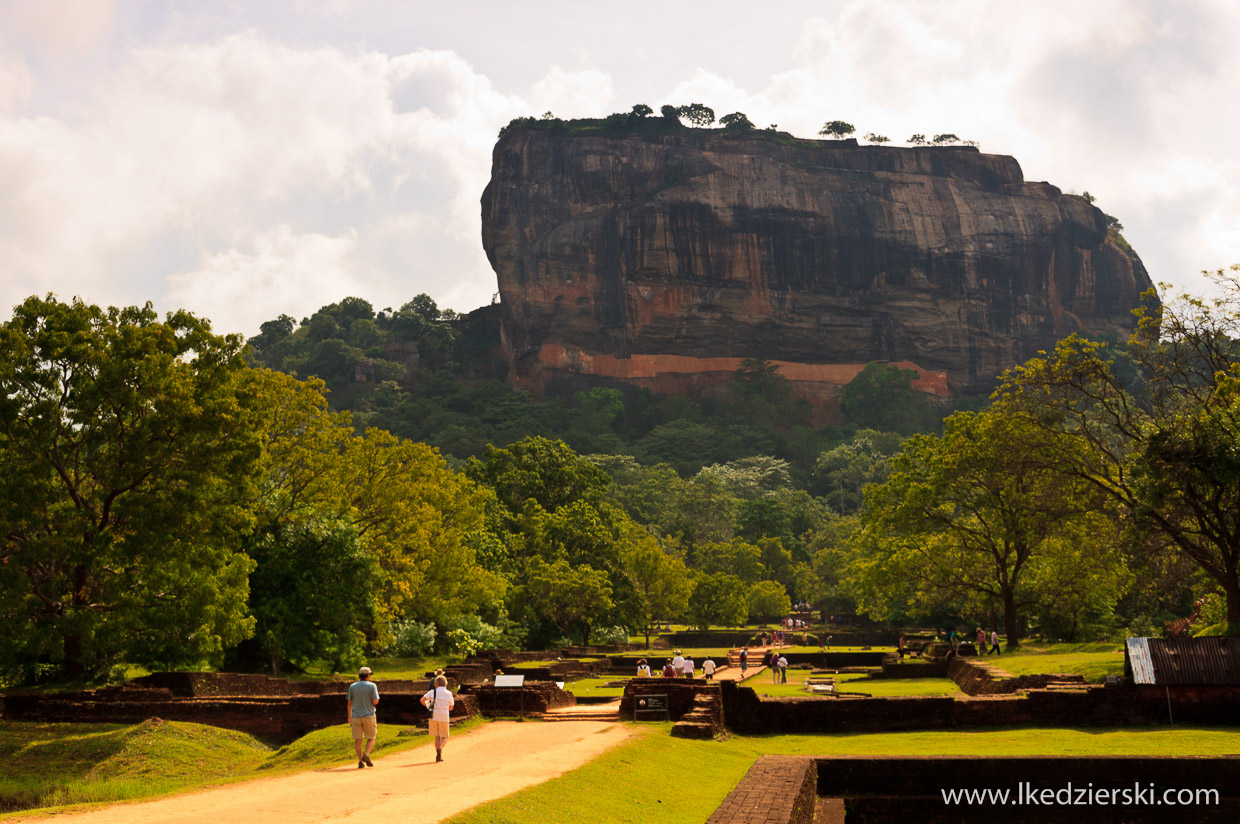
(276, 268)
(16, 82)
(60, 27)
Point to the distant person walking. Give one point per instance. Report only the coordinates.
(708, 670)
(668, 670)
(643, 669)
(363, 696)
(744, 660)
(440, 702)
(981, 641)
(678, 663)
(783, 669)
(900, 646)
(994, 642)
(687, 667)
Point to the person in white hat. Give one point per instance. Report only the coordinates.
(363, 696)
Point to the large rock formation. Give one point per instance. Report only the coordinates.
(662, 259)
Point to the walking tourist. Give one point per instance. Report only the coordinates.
(708, 670)
(783, 669)
(981, 641)
(363, 695)
(900, 646)
(643, 669)
(687, 667)
(994, 641)
(439, 701)
(744, 660)
(678, 663)
(668, 670)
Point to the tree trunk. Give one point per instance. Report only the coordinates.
(1009, 620)
(74, 651)
(1232, 589)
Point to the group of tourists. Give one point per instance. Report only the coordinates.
(955, 639)
(363, 698)
(682, 666)
(779, 667)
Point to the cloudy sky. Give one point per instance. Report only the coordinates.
(247, 159)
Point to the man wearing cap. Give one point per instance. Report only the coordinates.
(440, 702)
(363, 695)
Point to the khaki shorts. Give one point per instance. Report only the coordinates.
(366, 727)
(439, 729)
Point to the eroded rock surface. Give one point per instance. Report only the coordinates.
(699, 248)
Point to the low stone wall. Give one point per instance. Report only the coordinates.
(532, 698)
(680, 694)
(913, 669)
(1101, 706)
(278, 718)
(975, 677)
(778, 789)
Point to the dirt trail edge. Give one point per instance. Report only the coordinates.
(492, 761)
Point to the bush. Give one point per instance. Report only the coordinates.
(610, 635)
(412, 640)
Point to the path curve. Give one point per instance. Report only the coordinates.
(489, 762)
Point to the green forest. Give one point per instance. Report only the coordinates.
(364, 482)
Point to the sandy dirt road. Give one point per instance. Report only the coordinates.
(492, 761)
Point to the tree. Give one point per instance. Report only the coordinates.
(837, 129)
(977, 521)
(570, 596)
(661, 580)
(549, 472)
(129, 453)
(945, 139)
(1155, 424)
(697, 114)
(641, 110)
(882, 397)
(917, 140)
(842, 474)
(736, 122)
(768, 601)
(718, 600)
(877, 138)
(303, 574)
(669, 112)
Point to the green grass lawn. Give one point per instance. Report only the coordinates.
(1094, 661)
(656, 768)
(53, 765)
(595, 687)
(855, 683)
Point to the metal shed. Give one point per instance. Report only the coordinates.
(1172, 661)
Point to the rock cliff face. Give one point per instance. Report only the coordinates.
(660, 259)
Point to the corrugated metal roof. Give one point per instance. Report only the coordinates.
(1139, 663)
(1184, 660)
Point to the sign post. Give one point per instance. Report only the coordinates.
(649, 704)
(505, 681)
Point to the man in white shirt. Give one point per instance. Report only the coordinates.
(439, 701)
(708, 669)
(783, 669)
(688, 667)
(678, 663)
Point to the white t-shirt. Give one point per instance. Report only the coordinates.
(678, 663)
(643, 671)
(783, 662)
(444, 701)
(688, 665)
(708, 667)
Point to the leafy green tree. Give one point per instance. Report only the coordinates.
(877, 138)
(669, 112)
(571, 596)
(718, 600)
(547, 472)
(735, 558)
(697, 114)
(310, 594)
(842, 474)
(641, 110)
(882, 397)
(736, 122)
(1160, 443)
(129, 453)
(945, 139)
(917, 140)
(837, 129)
(977, 521)
(661, 580)
(768, 601)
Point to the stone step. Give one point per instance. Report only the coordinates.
(592, 716)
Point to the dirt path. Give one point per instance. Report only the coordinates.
(489, 762)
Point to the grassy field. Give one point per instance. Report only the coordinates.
(653, 763)
(52, 765)
(1094, 661)
(856, 683)
(594, 687)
